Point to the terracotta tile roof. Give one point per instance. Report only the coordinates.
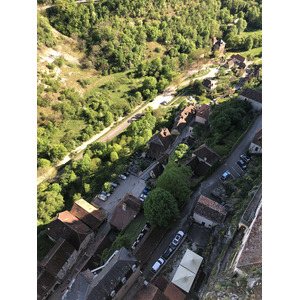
(69, 227)
(183, 117)
(159, 143)
(257, 140)
(238, 57)
(174, 293)
(203, 111)
(122, 217)
(45, 283)
(207, 154)
(161, 282)
(210, 210)
(88, 214)
(57, 256)
(252, 251)
(149, 292)
(230, 63)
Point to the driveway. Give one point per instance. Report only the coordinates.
(132, 184)
(206, 188)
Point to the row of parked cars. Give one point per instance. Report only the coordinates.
(104, 195)
(244, 160)
(145, 193)
(172, 246)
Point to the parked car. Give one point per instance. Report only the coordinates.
(113, 184)
(164, 103)
(143, 196)
(242, 164)
(157, 265)
(177, 238)
(167, 253)
(148, 188)
(225, 175)
(145, 192)
(245, 158)
(102, 197)
(142, 199)
(122, 176)
(127, 173)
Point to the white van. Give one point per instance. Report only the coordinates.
(157, 265)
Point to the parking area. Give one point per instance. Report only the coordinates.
(131, 184)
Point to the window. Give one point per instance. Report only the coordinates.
(256, 148)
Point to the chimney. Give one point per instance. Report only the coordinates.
(124, 206)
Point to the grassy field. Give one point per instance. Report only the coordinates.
(255, 52)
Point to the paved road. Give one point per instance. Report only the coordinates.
(206, 188)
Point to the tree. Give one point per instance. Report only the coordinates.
(108, 118)
(176, 181)
(160, 208)
(107, 187)
(179, 152)
(241, 25)
(58, 152)
(114, 156)
(248, 43)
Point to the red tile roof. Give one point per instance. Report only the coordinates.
(203, 111)
(183, 117)
(174, 293)
(125, 211)
(210, 209)
(88, 214)
(69, 227)
(149, 292)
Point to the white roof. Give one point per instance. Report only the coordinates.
(191, 261)
(183, 278)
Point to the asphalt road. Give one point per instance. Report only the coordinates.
(206, 188)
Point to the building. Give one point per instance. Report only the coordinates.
(88, 214)
(219, 45)
(208, 212)
(202, 160)
(173, 292)
(209, 84)
(159, 144)
(187, 271)
(126, 210)
(112, 280)
(67, 226)
(229, 63)
(203, 113)
(249, 255)
(256, 144)
(149, 292)
(183, 118)
(54, 267)
(157, 170)
(253, 96)
(238, 59)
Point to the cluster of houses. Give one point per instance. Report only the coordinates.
(81, 235)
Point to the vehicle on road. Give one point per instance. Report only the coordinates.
(102, 197)
(157, 265)
(242, 164)
(225, 175)
(177, 238)
(245, 158)
(164, 103)
(167, 253)
(122, 176)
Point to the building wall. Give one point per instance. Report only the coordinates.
(85, 242)
(130, 281)
(200, 220)
(200, 120)
(255, 149)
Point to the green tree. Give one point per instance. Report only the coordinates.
(114, 156)
(179, 152)
(176, 181)
(107, 187)
(108, 118)
(241, 25)
(248, 43)
(160, 208)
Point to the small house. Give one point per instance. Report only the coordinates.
(253, 96)
(209, 84)
(256, 143)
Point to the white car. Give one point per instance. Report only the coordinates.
(122, 176)
(177, 238)
(157, 265)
